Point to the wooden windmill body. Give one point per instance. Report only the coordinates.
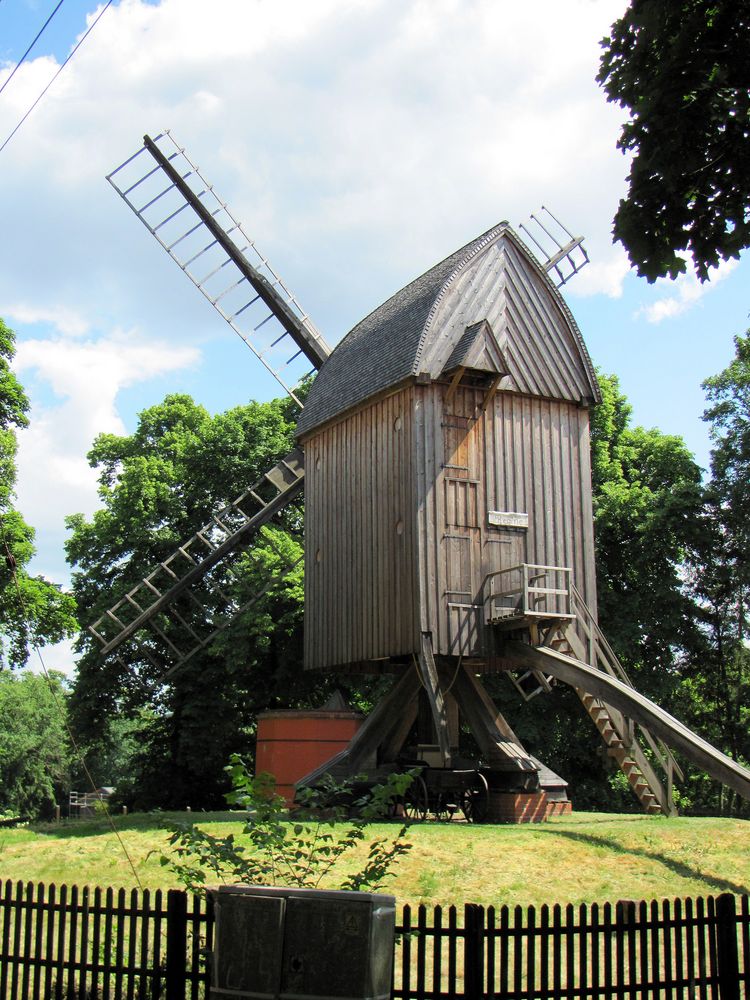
(447, 450)
(444, 452)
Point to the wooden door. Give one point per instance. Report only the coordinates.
(461, 541)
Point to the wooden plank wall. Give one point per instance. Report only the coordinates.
(397, 493)
(542, 349)
(524, 455)
(360, 568)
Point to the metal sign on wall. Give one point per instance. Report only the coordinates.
(507, 519)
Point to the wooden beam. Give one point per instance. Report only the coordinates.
(394, 743)
(453, 386)
(376, 728)
(495, 737)
(428, 673)
(490, 394)
(634, 706)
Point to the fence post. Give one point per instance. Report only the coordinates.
(726, 947)
(176, 960)
(473, 951)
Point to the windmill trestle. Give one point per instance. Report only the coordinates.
(540, 607)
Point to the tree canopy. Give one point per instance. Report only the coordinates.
(677, 66)
(158, 486)
(34, 747)
(648, 503)
(716, 677)
(32, 610)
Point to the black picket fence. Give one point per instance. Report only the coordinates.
(686, 949)
(69, 943)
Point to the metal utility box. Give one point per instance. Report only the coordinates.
(297, 943)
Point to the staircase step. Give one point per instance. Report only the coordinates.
(623, 748)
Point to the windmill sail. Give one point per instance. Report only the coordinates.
(156, 618)
(562, 254)
(182, 211)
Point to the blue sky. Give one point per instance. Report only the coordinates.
(359, 143)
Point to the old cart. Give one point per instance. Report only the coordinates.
(445, 792)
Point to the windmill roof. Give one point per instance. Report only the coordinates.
(389, 345)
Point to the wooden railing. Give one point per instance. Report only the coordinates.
(527, 592)
(597, 652)
(682, 948)
(66, 943)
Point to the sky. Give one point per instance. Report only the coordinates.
(359, 142)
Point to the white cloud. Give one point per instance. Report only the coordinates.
(687, 291)
(603, 276)
(68, 321)
(54, 478)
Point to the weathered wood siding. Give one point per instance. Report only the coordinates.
(543, 349)
(522, 454)
(360, 565)
(398, 490)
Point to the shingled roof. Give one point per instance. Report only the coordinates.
(387, 347)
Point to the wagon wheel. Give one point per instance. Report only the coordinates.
(444, 807)
(475, 801)
(416, 800)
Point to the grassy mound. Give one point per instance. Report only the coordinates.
(584, 857)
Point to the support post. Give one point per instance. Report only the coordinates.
(176, 957)
(726, 947)
(431, 681)
(473, 951)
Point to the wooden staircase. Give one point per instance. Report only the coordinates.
(565, 624)
(617, 732)
(630, 759)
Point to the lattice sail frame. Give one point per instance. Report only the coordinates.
(179, 207)
(181, 210)
(199, 573)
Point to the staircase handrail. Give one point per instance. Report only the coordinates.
(528, 573)
(612, 666)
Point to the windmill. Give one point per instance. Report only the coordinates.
(444, 453)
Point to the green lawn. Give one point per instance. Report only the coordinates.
(584, 857)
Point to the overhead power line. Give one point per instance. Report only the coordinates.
(62, 67)
(38, 36)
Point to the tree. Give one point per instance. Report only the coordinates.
(729, 492)
(32, 610)
(158, 487)
(34, 749)
(676, 65)
(648, 502)
(716, 678)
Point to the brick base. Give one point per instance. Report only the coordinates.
(524, 807)
(558, 808)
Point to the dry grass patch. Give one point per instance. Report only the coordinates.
(585, 857)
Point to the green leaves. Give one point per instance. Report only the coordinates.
(158, 486)
(648, 504)
(302, 849)
(32, 610)
(674, 66)
(34, 750)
